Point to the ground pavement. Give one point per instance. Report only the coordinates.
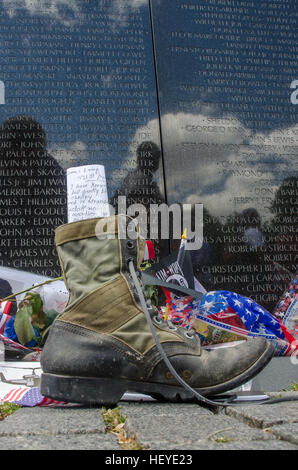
(156, 426)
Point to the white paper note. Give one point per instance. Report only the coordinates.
(87, 194)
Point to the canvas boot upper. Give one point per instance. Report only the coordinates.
(103, 334)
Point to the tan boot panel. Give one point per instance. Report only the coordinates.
(136, 334)
(105, 309)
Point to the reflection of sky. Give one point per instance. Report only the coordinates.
(229, 129)
(84, 71)
(230, 172)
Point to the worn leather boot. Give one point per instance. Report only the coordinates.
(102, 346)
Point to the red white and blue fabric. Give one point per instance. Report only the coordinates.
(149, 250)
(10, 343)
(243, 312)
(31, 396)
(234, 313)
(3, 320)
(287, 308)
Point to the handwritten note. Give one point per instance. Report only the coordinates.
(87, 195)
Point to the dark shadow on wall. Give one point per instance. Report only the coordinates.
(33, 198)
(140, 187)
(249, 256)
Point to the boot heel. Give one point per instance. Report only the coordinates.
(87, 390)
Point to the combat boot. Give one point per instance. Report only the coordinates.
(103, 344)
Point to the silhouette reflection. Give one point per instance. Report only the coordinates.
(33, 198)
(249, 256)
(141, 186)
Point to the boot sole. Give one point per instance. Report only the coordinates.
(105, 391)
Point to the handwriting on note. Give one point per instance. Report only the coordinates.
(87, 195)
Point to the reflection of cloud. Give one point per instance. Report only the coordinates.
(64, 11)
(219, 162)
(72, 154)
(120, 10)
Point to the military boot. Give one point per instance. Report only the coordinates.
(103, 345)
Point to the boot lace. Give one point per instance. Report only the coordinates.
(157, 318)
(146, 306)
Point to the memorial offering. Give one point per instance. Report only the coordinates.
(154, 104)
(87, 194)
(218, 317)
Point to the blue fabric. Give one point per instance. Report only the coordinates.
(10, 333)
(255, 318)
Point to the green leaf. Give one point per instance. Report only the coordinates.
(29, 314)
(38, 317)
(22, 324)
(50, 316)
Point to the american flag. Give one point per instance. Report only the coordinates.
(233, 312)
(3, 320)
(12, 344)
(31, 396)
(287, 307)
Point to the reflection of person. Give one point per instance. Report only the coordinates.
(140, 187)
(33, 191)
(252, 235)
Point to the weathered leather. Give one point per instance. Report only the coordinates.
(74, 350)
(103, 332)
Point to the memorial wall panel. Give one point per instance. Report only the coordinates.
(227, 85)
(77, 87)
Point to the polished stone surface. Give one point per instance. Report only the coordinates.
(228, 100)
(77, 87)
(206, 113)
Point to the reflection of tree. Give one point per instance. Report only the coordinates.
(233, 250)
(249, 256)
(33, 197)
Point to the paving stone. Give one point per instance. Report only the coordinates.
(53, 421)
(279, 374)
(288, 432)
(265, 416)
(163, 409)
(188, 429)
(158, 426)
(97, 441)
(231, 445)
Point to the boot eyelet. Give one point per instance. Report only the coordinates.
(130, 244)
(186, 374)
(188, 335)
(173, 328)
(157, 320)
